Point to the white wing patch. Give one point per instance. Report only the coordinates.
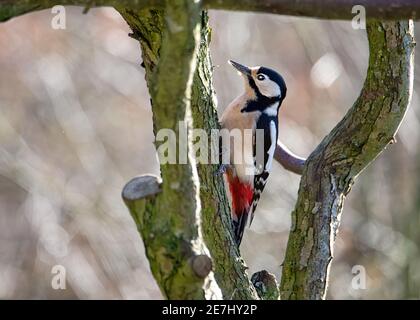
(273, 134)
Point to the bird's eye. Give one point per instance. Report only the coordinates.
(261, 77)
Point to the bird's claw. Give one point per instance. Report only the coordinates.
(221, 170)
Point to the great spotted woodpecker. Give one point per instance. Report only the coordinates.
(257, 108)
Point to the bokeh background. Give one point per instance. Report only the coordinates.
(75, 125)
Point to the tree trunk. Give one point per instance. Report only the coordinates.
(229, 268)
(364, 132)
(170, 221)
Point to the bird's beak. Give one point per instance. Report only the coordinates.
(241, 68)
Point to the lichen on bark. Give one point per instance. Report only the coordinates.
(330, 171)
(229, 268)
(170, 224)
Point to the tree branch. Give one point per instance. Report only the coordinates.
(266, 285)
(329, 173)
(288, 159)
(170, 224)
(324, 9)
(14, 8)
(229, 268)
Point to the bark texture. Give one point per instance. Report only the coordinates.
(229, 268)
(170, 223)
(365, 131)
(324, 9)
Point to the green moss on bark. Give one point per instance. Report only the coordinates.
(229, 269)
(170, 222)
(365, 131)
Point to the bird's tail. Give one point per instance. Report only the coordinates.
(241, 194)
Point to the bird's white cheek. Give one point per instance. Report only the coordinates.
(269, 89)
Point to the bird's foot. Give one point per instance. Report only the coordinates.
(222, 169)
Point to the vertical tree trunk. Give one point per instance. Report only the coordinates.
(364, 132)
(229, 268)
(170, 223)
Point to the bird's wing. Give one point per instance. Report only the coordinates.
(263, 167)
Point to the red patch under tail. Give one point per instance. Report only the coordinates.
(242, 195)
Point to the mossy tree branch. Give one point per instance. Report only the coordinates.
(266, 285)
(170, 223)
(229, 268)
(325, 9)
(329, 173)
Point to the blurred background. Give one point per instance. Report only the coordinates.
(75, 125)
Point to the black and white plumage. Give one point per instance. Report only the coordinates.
(257, 110)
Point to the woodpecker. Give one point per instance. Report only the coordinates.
(256, 108)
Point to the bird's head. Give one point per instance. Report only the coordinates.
(264, 85)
